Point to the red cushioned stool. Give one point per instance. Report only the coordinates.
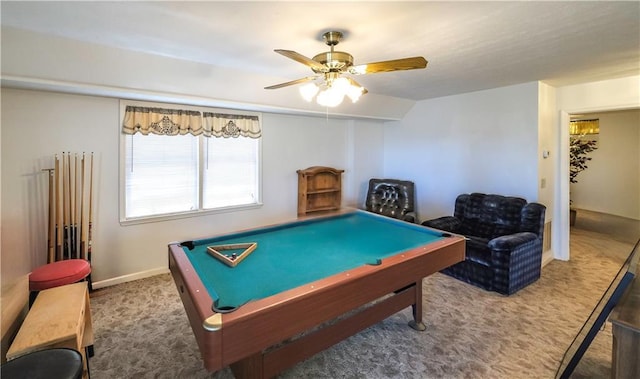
(57, 274)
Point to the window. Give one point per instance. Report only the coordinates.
(161, 174)
(230, 172)
(180, 163)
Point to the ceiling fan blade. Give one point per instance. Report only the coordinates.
(297, 81)
(386, 66)
(302, 59)
(354, 83)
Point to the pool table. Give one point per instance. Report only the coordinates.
(308, 284)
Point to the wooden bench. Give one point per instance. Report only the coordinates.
(14, 298)
(59, 317)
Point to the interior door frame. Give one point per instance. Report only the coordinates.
(561, 229)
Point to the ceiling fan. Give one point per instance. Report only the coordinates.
(330, 82)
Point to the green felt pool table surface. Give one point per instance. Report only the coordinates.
(293, 254)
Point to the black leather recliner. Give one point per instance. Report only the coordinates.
(392, 198)
(504, 245)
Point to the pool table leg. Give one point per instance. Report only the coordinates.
(250, 367)
(417, 323)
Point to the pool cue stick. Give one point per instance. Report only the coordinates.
(74, 209)
(83, 219)
(72, 204)
(85, 208)
(64, 204)
(89, 237)
(51, 229)
(78, 189)
(58, 195)
(72, 213)
(67, 205)
(71, 210)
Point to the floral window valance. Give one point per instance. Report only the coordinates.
(231, 125)
(161, 121)
(173, 122)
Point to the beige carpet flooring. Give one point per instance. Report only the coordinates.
(142, 331)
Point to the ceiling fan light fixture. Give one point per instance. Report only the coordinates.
(354, 93)
(330, 97)
(341, 84)
(358, 70)
(334, 90)
(309, 90)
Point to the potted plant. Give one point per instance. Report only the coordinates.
(578, 150)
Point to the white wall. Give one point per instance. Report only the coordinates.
(36, 125)
(611, 184)
(622, 93)
(548, 157)
(484, 141)
(367, 160)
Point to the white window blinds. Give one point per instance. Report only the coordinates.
(161, 174)
(163, 153)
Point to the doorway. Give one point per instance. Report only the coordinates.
(614, 171)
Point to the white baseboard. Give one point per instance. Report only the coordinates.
(129, 278)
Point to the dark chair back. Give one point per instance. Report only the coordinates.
(490, 216)
(391, 198)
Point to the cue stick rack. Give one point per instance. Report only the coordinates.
(70, 207)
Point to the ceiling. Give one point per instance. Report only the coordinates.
(469, 45)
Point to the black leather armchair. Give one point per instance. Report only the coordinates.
(392, 198)
(504, 241)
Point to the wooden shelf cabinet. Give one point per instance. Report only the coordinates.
(625, 319)
(319, 189)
